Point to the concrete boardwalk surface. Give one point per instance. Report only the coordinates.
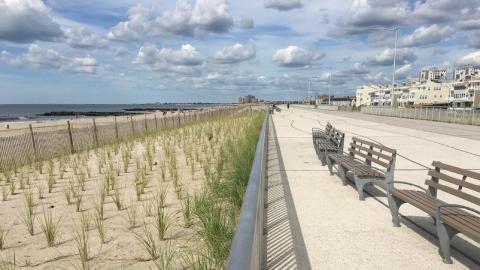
(341, 232)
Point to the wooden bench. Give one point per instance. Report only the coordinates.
(450, 219)
(318, 133)
(333, 143)
(357, 165)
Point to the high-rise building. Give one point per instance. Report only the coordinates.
(433, 74)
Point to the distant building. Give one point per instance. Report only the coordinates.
(336, 101)
(367, 95)
(431, 89)
(466, 73)
(322, 100)
(465, 90)
(433, 74)
(247, 99)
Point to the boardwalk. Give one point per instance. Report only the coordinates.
(339, 231)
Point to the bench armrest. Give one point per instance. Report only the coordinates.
(413, 185)
(439, 208)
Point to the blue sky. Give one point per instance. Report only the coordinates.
(121, 51)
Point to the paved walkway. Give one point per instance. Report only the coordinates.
(338, 230)
(284, 242)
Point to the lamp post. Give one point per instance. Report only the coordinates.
(329, 87)
(391, 29)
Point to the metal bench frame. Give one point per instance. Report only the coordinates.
(318, 133)
(370, 152)
(445, 231)
(334, 140)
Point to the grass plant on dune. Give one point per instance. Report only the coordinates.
(168, 199)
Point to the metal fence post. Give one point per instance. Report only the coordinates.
(34, 146)
(156, 123)
(72, 150)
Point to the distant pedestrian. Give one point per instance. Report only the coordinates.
(288, 106)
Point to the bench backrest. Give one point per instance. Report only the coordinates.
(328, 128)
(455, 181)
(337, 137)
(373, 153)
(317, 131)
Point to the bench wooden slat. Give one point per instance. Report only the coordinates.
(453, 180)
(383, 147)
(458, 170)
(379, 162)
(466, 223)
(360, 168)
(372, 151)
(458, 193)
(434, 202)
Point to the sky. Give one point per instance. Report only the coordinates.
(121, 51)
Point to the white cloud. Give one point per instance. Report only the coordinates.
(148, 54)
(376, 78)
(385, 58)
(474, 41)
(356, 69)
(366, 14)
(246, 23)
(402, 72)
(294, 56)
(427, 35)
(206, 16)
(236, 53)
(283, 5)
(442, 11)
(470, 59)
(212, 16)
(40, 57)
(471, 24)
(168, 59)
(24, 21)
(82, 65)
(43, 58)
(82, 38)
(137, 25)
(186, 56)
(10, 59)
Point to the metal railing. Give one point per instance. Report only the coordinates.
(467, 117)
(247, 248)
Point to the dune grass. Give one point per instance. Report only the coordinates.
(189, 180)
(50, 227)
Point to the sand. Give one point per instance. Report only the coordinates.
(122, 250)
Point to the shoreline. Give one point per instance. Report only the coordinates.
(34, 113)
(8, 128)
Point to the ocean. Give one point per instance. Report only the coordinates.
(29, 112)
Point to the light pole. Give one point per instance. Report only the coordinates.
(391, 29)
(329, 87)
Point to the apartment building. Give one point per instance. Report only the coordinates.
(430, 93)
(431, 89)
(368, 95)
(465, 90)
(247, 99)
(433, 74)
